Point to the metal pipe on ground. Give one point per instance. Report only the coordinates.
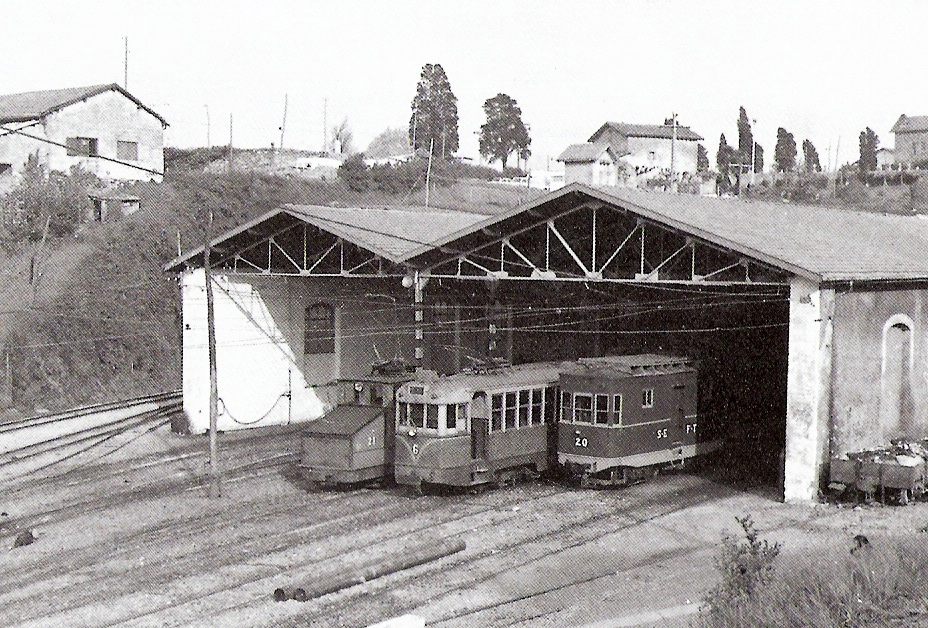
(428, 552)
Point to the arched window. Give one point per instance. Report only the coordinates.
(319, 329)
(896, 405)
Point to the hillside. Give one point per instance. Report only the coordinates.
(104, 320)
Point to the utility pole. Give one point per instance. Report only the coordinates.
(230, 142)
(753, 147)
(283, 125)
(428, 172)
(125, 63)
(208, 144)
(673, 147)
(325, 125)
(215, 479)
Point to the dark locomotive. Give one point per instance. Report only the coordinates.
(624, 417)
(610, 420)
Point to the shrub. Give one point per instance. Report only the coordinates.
(41, 197)
(745, 564)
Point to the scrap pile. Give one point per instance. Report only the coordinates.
(897, 470)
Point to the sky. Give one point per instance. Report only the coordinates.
(822, 70)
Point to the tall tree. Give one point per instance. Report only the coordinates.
(723, 159)
(810, 157)
(758, 157)
(702, 159)
(869, 142)
(434, 112)
(504, 132)
(784, 154)
(745, 138)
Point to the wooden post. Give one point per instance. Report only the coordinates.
(215, 478)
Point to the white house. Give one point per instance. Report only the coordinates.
(101, 128)
(651, 147)
(590, 163)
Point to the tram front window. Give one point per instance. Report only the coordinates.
(417, 414)
(431, 416)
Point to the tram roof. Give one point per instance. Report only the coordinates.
(344, 420)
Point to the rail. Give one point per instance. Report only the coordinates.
(82, 411)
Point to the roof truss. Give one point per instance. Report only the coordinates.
(598, 242)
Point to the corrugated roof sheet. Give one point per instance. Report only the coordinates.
(395, 234)
(910, 124)
(582, 153)
(830, 244)
(663, 131)
(27, 106)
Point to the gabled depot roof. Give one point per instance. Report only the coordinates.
(395, 234)
(28, 106)
(819, 243)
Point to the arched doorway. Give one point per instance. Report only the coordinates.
(896, 403)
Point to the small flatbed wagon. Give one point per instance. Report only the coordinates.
(869, 477)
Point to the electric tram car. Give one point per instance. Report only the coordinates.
(624, 417)
(475, 428)
(606, 420)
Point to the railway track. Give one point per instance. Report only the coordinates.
(82, 411)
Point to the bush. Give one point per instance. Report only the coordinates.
(192, 159)
(42, 197)
(879, 584)
(745, 565)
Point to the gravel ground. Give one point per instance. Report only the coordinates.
(131, 538)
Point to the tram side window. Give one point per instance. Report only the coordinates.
(583, 408)
(647, 398)
(602, 410)
(496, 413)
(510, 410)
(536, 415)
(457, 417)
(431, 416)
(567, 406)
(402, 414)
(616, 409)
(550, 403)
(524, 405)
(417, 414)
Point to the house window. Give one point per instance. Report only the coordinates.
(82, 146)
(128, 151)
(616, 409)
(647, 398)
(319, 332)
(6, 169)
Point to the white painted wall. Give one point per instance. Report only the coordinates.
(109, 117)
(808, 389)
(257, 368)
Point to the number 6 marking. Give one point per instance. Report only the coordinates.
(415, 449)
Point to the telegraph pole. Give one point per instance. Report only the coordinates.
(283, 125)
(673, 147)
(125, 63)
(208, 144)
(215, 479)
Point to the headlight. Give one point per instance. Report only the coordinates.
(412, 432)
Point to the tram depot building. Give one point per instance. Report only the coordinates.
(807, 324)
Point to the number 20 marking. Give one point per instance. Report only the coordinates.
(580, 442)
